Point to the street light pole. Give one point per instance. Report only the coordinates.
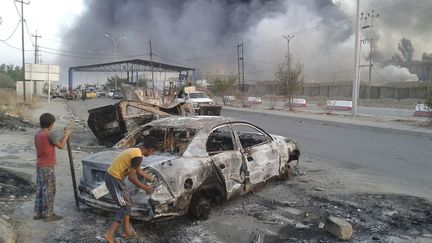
(96, 54)
(115, 50)
(356, 76)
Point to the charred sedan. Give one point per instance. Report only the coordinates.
(201, 160)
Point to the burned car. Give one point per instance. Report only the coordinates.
(200, 161)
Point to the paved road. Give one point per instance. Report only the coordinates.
(362, 110)
(402, 161)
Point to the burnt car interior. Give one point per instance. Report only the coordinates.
(171, 140)
(249, 136)
(220, 140)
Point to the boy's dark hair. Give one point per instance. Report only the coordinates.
(148, 142)
(46, 120)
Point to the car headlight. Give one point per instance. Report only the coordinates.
(195, 105)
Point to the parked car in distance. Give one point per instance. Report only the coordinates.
(91, 94)
(200, 161)
(110, 93)
(117, 95)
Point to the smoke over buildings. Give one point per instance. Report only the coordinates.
(204, 33)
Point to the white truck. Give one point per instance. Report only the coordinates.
(201, 103)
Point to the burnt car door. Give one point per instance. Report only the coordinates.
(259, 152)
(225, 155)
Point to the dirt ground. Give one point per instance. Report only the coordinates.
(281, 211)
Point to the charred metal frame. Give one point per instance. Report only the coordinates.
(134, 65)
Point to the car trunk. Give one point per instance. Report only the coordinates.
(95, 167)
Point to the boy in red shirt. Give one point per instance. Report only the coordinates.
(45, 142)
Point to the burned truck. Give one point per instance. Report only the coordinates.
(201, 103)
(112, 122)
(199, 161)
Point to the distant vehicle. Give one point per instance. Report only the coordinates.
(91, 94)
(201, 103)
(100, 93)
(110, 93)
(117, 95)
(70, 95)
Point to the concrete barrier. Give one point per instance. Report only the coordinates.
(299, 103)
(254, 100)
(339, 105)
(422, 110)
(229, 98)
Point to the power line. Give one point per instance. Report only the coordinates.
(13, 32)
(16, 7)
(14, 47)
(385, 79)
(328, 72)
(28, 33)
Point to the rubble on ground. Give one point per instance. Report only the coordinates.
(15, 185)
(13, 123)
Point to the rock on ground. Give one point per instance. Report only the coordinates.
(340, 228)
(7, 232)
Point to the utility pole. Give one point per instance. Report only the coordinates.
(356, 76)
(22, 46)
(370, 16)
(36, 57)
(238, 64)
(151, 63)
(240, 58)
(288, 38)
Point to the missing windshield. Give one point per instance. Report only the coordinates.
(170, 140)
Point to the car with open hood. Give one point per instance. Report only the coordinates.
(199, 161)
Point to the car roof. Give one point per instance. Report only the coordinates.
(197, 122)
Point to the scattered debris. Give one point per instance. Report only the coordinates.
(13, 123)
(338, 227)
(14, 184)
(110, 123)
(319, 189)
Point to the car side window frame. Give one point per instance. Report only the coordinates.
(269, 139)
(232, 135)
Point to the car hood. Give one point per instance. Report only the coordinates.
(201, 100)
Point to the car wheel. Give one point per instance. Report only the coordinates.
(199, 208)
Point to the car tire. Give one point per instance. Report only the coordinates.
(199, 208)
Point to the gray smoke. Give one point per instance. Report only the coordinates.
(204, 33)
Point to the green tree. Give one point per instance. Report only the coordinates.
(406, 51)
(6, 81)
(428, 103)
(290, 79)
(112, 80)
(9, 74)
(426, 56)
(221, 86)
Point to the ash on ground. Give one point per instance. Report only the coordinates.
(13, 123)
(298, 217)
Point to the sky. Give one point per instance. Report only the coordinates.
(50, 18)
(204, 34)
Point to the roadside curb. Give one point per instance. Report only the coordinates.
(7, 232)
(362, 125)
